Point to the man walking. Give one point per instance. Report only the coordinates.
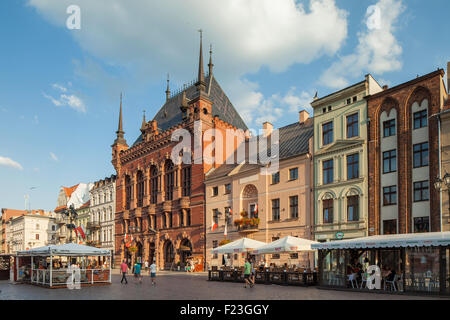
(137, 272)
(153, 273)
(123, 269)
(247, 272)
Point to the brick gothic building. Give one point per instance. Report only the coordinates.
(403, 156)
(159, 204)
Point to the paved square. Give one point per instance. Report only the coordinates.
(182, 286)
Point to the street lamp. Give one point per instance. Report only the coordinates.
(439, 186)
(72, 214)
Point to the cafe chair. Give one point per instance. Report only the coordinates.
(363, 280)
(353, 281)
(391, 283)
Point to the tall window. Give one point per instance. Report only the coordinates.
(170, 219)
(127, 192)
(181, 219)
(420, 119)
(228, 215)
(421, 155)
(327, 133)
(293, 207)
(216, 216)
(390, 161)
(169, 179)
(228, 188)
(353, 166)
(154, 184)
(276, 209)
(421, 191)
(164, 221)
(328, 171)
(140, 189)
(186, 177)
(353, 208)
(390, 227)
(328, 211)
(389, 128)
(390, 196)
(215, 191)
(293, 174)
(421, 225)
(188, 217)
(352, 126)
(276, 178)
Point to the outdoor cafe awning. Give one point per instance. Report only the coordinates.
(241, 245)
(434, 239)
(286, 244)
(68, 249)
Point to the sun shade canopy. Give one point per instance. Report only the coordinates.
(68, 249)
(434, 239)
(242, 245)
(286, 244)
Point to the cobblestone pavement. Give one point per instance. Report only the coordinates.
(182, 286)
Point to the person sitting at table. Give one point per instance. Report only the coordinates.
(391, 275)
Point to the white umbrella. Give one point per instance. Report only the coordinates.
(286, 244)
(242, 245)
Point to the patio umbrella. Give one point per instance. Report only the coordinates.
(286, 244)
(238, 246)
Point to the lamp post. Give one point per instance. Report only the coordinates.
(72, 214)
(443, 185)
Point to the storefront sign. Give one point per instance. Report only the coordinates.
(339, 235)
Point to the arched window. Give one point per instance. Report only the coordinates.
(153, 184)
(140, 189)
(127, 192)
(169, 179)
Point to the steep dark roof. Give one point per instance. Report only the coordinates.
(170, 114)
(294, 141)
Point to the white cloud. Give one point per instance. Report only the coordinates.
(378, 50)
(59, 87)
(68, 99)
(54, 157)
(8, 162)
(151, 38)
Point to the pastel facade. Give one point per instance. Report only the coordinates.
(340, 162)
(281, 202)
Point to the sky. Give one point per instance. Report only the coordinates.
(60, 87)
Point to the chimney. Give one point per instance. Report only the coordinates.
(303, 116)
(385, 87)
(268, 128)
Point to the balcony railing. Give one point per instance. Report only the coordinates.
(93, 225)
(248, 228)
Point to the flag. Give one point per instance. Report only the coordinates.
(256, 211)
(214, 225)
(225, 232)
(81, 231)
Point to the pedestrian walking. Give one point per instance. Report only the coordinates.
(153, 273)
(124, 269)
(137, 272)
(253, 273)
(247, 273)
(146, 265)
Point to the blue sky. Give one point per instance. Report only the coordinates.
(60, 88)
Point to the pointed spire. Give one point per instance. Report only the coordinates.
(143, 122)
(210, 64)
(201, 85)
(120, 129)
(168, 88)
(120, 133)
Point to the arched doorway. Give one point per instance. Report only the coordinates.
(151, 254)
(139, 252)
(185, 251)
(169, 254)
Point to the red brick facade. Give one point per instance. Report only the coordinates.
(402, 98)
